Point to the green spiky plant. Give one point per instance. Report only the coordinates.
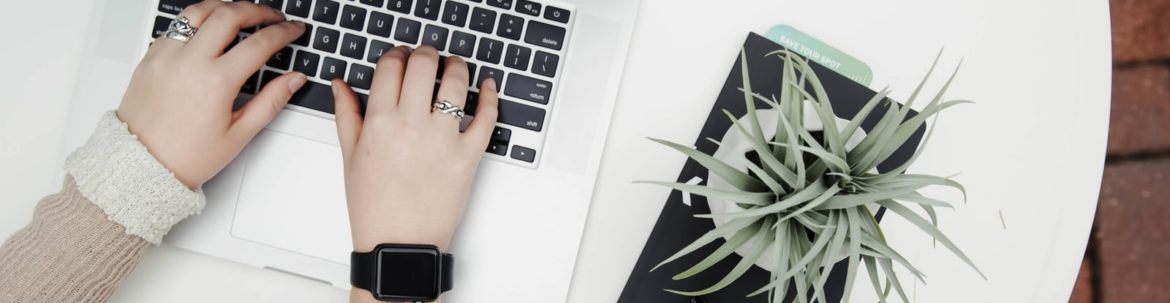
(813, 214)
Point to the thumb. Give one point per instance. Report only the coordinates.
(349, 118)
(263, 107)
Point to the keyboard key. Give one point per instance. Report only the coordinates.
(250, 85)
(521, 116)
(501, 134)
(528, 88)
(517, 57)
(306, 63)
(353, 46)
(299, 8)
(268, 77)
(545, 35)
(380, 24)
(326, 11)
(332, 68)
(510, 26)
(407, 30)
(435, 36)
(455, 13)
(314, 96)
(360, 76)
(401, 6)
(428, 9)
(504, 4)
(173, 7)
(374, 3)
(470, 73)
(523, 154)
(377, 48)
(545, 64)
(353, 17)
(482, 20)
(282, 59)
(498, 148)
(160, 26)
(462, 44)
(490, 50)
(303, 40)
(528, 7)
(277, 4)
(488, 72)
(472, 103)
(326, 39)
(557, 14)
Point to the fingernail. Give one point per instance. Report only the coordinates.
(334, 89)
(297, 82)
(490, 83)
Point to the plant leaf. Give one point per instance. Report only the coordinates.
(744, 197)
(733, 176)
(722, 252)
(932, 231)
(762, 238)
(719, 231)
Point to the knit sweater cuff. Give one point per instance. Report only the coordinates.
(116, 172)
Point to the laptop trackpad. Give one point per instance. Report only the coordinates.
(293, 197)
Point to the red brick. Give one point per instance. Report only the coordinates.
(1140, 115)
(1133, 226)
(1141, 29)
(1083, 290)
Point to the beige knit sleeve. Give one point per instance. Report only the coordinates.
(84, 240)
(70, 252)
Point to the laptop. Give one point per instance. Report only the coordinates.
(281, 204)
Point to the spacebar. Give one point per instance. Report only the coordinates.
(315, 96)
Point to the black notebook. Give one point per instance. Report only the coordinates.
(677, 226)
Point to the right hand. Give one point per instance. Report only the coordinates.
(408, 169)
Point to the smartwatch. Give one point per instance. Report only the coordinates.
(402, 272)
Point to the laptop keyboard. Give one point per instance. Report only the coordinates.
(519, 43)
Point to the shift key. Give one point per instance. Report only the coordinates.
(528, 88)
(520, 115)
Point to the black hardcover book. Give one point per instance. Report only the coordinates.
(677, 226)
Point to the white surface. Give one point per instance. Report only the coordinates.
(1032, 147)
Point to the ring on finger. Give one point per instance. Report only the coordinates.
(181, 30)
(446, 107)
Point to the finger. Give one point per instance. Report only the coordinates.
(387, 81)
(225, 23)
(484, 122)
(260, 110)
(418, 88)
(252, 53)
(197, 13)
(349, 118)
(453, 88)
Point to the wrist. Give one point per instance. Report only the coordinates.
(366, 239)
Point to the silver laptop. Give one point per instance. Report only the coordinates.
(281, 204)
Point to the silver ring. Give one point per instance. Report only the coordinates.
(180, 30)
(446, 107)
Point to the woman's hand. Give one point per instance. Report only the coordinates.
(408, 169)
(179, 102)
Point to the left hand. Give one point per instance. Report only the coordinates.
(179, 102)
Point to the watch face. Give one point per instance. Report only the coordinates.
(408, 273)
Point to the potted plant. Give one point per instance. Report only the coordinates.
(793, 188)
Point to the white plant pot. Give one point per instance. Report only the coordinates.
(731, 151)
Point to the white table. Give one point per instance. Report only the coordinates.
(1030, 151)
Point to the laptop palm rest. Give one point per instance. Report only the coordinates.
(293, 197)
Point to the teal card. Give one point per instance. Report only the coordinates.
(822, 53)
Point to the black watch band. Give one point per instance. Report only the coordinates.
(364, 272)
